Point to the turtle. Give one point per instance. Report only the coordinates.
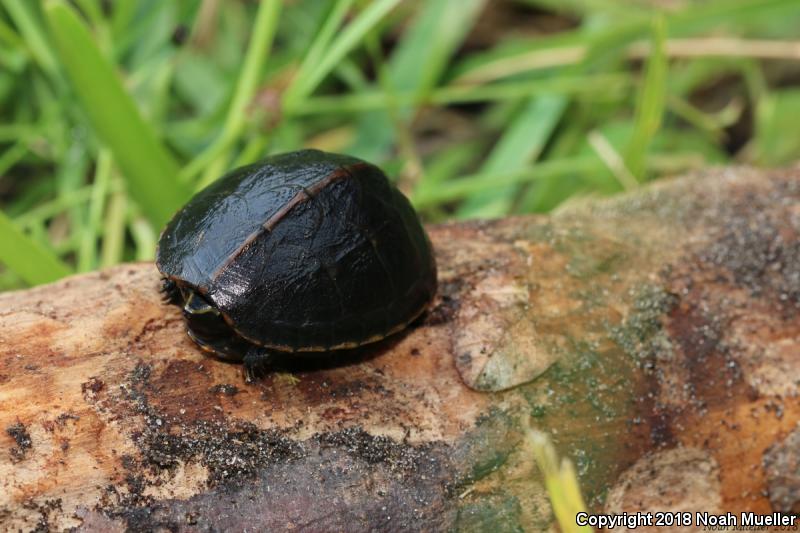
(301, 252)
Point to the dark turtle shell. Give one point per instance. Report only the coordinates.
(304, 251)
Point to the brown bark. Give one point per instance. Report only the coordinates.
(656, 337)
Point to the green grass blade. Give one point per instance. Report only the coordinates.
(12, 156)
(24, 17)
(561, 482)
(114, 237)
(144, 238)
(601, 86)
(122, 15)
(777, 114)
(46, 210)
(9, 37)
(323, 38)
(568, 48)
(703, 15)
(415, 67)
(116, 120)
(524, 139)
(26, 257)
(438, 31)
(349, 38)
(87, 251)
(212, 159)
(480, 183)
(651, 102)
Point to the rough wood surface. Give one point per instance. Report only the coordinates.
(656, 337)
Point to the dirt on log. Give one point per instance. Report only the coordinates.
(655, 337)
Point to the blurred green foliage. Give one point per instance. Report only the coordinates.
(114, 111)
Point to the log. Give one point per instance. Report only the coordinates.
(654, 336)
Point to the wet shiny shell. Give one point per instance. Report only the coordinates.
(305, 251)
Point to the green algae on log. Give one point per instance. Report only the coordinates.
(654, 336)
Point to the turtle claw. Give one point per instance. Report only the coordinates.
(170, 292)
(249, 375)
(256, 364)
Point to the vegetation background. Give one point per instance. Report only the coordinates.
(112, 112)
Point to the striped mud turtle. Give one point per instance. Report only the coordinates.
(301, 252)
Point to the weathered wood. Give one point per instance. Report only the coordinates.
(656, 337)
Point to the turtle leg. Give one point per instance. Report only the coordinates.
(170, 292)
(256, 362)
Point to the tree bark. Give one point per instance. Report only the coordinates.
(655, 336)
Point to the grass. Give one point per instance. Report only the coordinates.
(143, 160)
(213, 158)
(113, 113)
(560, 480)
